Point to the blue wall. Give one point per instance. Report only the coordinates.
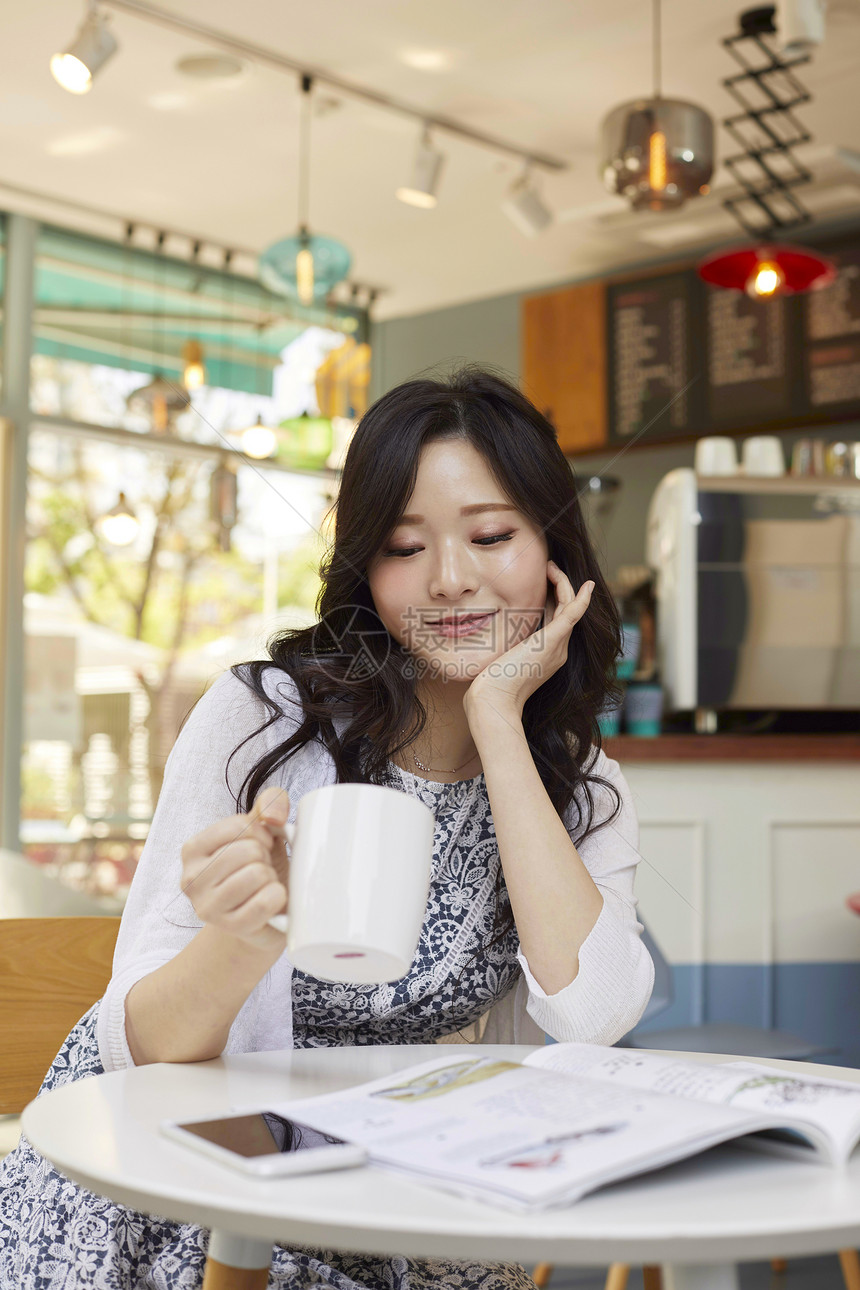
(817, 1001)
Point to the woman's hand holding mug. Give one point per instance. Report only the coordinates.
(360, 860)
(236, 871)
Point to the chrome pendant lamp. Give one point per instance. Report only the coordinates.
(657, 152)
(305, 267)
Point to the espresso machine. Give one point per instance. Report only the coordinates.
(758, 592)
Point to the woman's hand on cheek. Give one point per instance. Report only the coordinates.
(504, 685)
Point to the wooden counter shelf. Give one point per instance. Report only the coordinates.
(734, 748)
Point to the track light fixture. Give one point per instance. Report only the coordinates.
(305, 266)
(75, 67)
(524, 206)
(426, 169)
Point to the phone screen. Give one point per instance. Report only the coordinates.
(261, 1134)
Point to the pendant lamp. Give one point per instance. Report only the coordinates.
(305, 267)
(194, 371)
(119, 526)
(161, 399)
(657, 152)
(768, 173)
(767, 270)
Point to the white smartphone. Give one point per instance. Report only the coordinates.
(266, 1144)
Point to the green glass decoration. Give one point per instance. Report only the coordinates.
(307, 441)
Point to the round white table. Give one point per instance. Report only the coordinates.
(697, 1218)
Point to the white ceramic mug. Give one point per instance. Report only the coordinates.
(716, 455)
(763, 455)
(360, 857)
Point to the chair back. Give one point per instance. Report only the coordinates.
(663, 993)
(51, 971)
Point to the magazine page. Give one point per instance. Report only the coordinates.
(515, 1135)
(802, 1101)
(832, 1105)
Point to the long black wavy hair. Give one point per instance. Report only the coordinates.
(347, 664)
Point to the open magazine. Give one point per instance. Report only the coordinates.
(573, 1117)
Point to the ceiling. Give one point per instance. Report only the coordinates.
(218, 159)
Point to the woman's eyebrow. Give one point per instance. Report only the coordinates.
(464, 510)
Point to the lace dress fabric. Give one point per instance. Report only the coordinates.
(55, 1235)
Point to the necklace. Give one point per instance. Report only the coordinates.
(440, 769)
(468, 806)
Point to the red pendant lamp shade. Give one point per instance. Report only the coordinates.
(765, 271)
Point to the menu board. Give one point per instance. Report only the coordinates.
(649, 357)
(832, 334)
(747, 364)
(747, 358)
(835, 310)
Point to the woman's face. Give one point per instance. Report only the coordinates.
(444, 563)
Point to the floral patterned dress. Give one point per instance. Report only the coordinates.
(55, 1235)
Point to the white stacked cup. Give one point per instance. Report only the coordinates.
(716, 455)
(763, 455)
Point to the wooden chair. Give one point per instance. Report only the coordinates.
(616, 1277)
(51, 971)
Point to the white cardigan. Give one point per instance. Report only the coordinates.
(603, 1002)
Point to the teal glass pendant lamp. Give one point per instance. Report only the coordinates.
(307, 266)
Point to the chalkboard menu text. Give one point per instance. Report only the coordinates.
(746, 364)
(649, 324)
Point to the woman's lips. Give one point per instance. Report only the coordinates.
(465, 627)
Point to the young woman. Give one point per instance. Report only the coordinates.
(465, 645)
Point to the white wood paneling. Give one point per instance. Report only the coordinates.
(762, 853)
(670, 887)
(813, 868)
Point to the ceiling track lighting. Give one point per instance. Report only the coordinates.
(524, 206)
(657, 152)
(426, 170)
(766, 170)
(306, 267)
(75, 66)
(268, 57)
(799, 26)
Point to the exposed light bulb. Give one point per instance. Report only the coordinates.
(258, 440)
(194, 376)
(765, 280)
(120, 525)
(657, 160)
(194, 372)
(305, 275)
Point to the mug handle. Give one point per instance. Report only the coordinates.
(280, 922)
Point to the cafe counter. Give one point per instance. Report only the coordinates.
(750, 846)
(734, 748)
